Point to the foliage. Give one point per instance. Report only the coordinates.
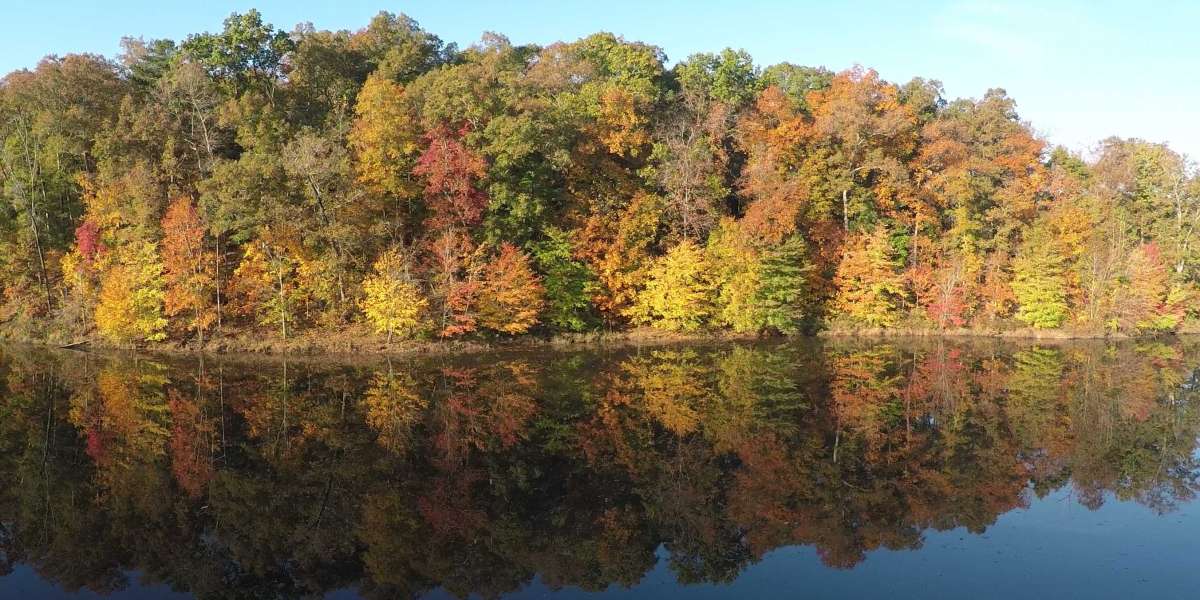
(1039, 285)
(273, 171)
(130, 304)
(511, 296)
(569, 283)
(392, 301)
(188, 266)
(782, 299)
(870, 289)
(678, 294)
(385, 144)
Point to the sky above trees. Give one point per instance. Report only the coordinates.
(1081, 70)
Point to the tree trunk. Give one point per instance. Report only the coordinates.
(217, 260)
(282, 305)
(37, 243)
(845, 212)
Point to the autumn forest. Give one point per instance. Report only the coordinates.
(383, 184)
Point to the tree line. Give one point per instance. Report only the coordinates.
(257, 182)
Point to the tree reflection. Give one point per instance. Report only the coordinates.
(290, 480)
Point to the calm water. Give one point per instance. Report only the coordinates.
(848, 469)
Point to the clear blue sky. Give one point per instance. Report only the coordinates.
(1079, 70)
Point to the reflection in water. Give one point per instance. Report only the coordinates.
(476, 475)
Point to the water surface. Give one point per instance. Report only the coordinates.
(861, 469)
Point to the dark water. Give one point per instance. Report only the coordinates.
(848, 469)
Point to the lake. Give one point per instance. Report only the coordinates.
(815, 469)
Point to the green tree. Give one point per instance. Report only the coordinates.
(569, 283)
(1038, 282)
(783, 299)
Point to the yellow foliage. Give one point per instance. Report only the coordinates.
(735, 272)
(393, 303)
(623, 122)
(393, 407)
(622, 261)
(679, 292)
(869, 288)
(131, 297)
(384, 138)
(265, 282)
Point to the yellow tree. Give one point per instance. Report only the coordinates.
(393, 303)
(1039, 282)
(869, 289)
(265, 282)
(679, 291)
(736, 276)
(130, 304)
(618, 249)
(384, 138)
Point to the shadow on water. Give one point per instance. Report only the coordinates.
(688, 470)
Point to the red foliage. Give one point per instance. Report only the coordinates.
(460, 307)
(87, 239)
(452, 171)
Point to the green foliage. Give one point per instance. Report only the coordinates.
(1038, 283)
(247, 50)
(728, 77)
(783, 299)
(570, 283)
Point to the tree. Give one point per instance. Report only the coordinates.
(246, 53)
(1148, 302)
(395, 47)
(678, 294)
(736, 273)
(265, 281)
(511, 295)
(568, 282)
(863, 131)
(782, 298)
(320, 166)
(869, 288)
(130, 304)
(271, 171)
(188, 267)
(452, 172)
(1038, 282)
(696, 160)
(384, 139)
(393, 303)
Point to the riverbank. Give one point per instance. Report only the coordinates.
(358, 343)
(1017, 333)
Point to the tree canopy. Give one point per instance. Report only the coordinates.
(258, 182)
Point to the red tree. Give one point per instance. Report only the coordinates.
(452, 172)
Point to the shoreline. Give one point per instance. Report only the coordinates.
(357, 345)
